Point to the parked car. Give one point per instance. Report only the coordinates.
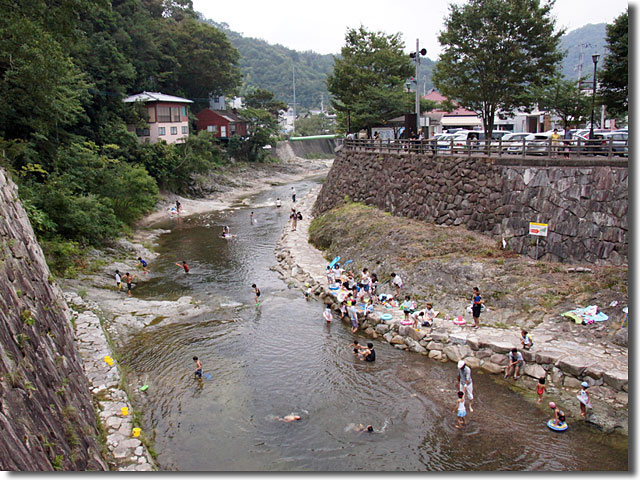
(514, 140)
(619, 143)
(444, 142)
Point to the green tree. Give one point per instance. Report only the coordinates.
(615, 74)
(367, 82)
(566, 100)
(265, 100)
(495, 53)
(262, 126)
(314, 125)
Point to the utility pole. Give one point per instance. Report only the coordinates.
(416, 58)
(294, 99)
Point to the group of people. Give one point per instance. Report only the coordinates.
(368, 353)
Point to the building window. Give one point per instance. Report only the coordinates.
(142, 132)
(185, 129)
(151, 114)
(164, 114)
(184, 111)
(174, 130)
(162, 130)
(232, 129)
(212, 128)
(175, 114)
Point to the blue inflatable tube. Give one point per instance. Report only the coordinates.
(334, 261)
(386, 316)
(563, 426)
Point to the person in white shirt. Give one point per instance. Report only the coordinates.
(397, 282)
(118, 280)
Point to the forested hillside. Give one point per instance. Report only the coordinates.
(270, 67)
(589, 39)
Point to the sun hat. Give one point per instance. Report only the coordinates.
(585, 384)
(461, 364)
(552, 405)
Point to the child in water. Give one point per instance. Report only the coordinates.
(540, 388)
(198, 372)
(461, 410)
(327, 315)
(183, 265)
(256, 291)
(558, 415)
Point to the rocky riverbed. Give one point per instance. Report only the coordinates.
(565, 353)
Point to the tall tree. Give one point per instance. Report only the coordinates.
(265, 100)
(495, 53)
(565, 100)
(615, 74)
(367, 83)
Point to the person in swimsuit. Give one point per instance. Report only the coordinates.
(256, 291)
(129, 278)
(584, 399)
(183, 265)
(356, 347)
(540, 388)
(558, 415)
(278, 203)
(327, 315)
(198, 372)
(368, 354)
(289, 418)
(361, 428)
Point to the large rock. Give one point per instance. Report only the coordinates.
(416, 347)
(435, 354)
(404, 330)
(382, 328)
(499, 359)
(548, 355)
(435, 346)
(492, 367)
(442, 337)
(571, 382)
(472, 362)
(456, 352)
(397, 340)
(621, 337)
(534, 370)
(617, 379)
(498, 346)
(575, 364)
(417, 335)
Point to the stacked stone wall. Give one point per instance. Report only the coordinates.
(584, 203)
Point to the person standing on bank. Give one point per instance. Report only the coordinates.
(293, 194)
(476, 307)
(464, 383)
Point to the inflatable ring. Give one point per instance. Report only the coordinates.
(563, 426)
(334, 286)
(386, 316)
(388, 306)
(408, 322)
(459, 321)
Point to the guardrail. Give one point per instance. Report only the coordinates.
(539, 148)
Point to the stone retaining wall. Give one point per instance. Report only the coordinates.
(563, 362)
(585, 206)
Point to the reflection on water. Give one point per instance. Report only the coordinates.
(281, 357)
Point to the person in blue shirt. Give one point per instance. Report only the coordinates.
(476, 307)
(143, 264)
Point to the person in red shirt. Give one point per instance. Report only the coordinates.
(184, 265)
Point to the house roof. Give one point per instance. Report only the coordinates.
(155, 97)
(226, 114)
(436, 96)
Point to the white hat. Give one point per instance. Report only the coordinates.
(461, 364)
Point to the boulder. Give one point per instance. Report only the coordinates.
(400, 346)
(473, 342)
(473, 362)
(403, 330)
(442, 337)
(388, 336)
(382, 328)
(435, 354)
(484, 353)
(556, 376)
(492, 367)
(435, 346)
(534, 370)
(397, 340)
(416, 347)
(498, 346)
(499, 359)
(417, 335)
(575, 364)
(617, 378)
(571, 382)
(621, 337)
(548, 355)
(623, 398)
(456, 352)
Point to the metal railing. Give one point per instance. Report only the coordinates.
(545, 148)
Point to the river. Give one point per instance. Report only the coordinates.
(280, 357)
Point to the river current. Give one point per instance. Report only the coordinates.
(280, 357)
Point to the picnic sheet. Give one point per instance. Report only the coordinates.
(586, 315)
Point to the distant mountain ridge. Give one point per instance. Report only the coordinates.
(268, 66)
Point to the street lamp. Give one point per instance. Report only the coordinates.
(595, 58)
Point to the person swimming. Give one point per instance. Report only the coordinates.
(290, 418)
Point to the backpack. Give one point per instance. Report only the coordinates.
(299, 216)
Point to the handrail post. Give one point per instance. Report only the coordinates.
(610, 147)
(524, 147)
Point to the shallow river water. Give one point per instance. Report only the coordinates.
(280, 357)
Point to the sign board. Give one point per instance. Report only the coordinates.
(540, 229)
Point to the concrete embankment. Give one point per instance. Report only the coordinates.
(564, 362)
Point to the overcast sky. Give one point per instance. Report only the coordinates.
(321, 25)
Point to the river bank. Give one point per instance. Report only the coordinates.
(562, 353)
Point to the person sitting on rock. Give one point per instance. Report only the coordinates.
(526, 341)
(516, 362)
